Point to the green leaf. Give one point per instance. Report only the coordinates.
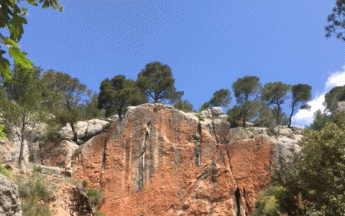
(16, 27)
(19, 58)
(5, 71)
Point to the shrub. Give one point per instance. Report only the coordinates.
(313, 182)
(32, 207)
(34, 186)
(5, 172)
(267, 203)
(94, 196)
(2, 134)
(320, 120)
(183, 105)
(85, 183)
(37, 169)
(31, 192)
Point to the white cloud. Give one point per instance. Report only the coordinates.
(305, 117)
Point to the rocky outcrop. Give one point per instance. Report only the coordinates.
(9, 198)
(85, 129)
(59, 154)
(161, 161)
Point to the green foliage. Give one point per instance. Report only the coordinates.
(2, 134)
(37, 169)
(63, 94)
(243, 89)
(31, 191)
(32, 207)
(117, 94)
(221, 98)
(5, 172)
(156, 82)
(337, 21)
(99, 213)
(94, 196)
(204, 106)
(183, 105)
(34, 186)
(90, 109)
(21, 103)
(332, 97)
(275, 93)
(267, 203)
(320, 120)
(85, 183)
(12, 17)
(313, 181)
(234, 116)
(301, 93)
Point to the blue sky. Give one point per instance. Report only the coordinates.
(208, 44)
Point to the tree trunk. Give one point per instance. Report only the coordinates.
(244, 115)
(278, 111)
(293, 105)
(244, 110)
(75, 137)
(21, 157)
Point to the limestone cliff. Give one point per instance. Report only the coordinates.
(161, 161)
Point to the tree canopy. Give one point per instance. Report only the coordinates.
(313, 182)
(184, 105)
(337, 21)
(21, 104)
(332, 97)
(301, 93)
(220, 98)
(12, 17)
(156, 82)
(275, 93)
(68, 93)
(243, 89)
(118, 93)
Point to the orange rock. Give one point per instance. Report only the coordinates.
(161, 161)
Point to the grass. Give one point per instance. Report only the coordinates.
(31, 192)
(99, 213)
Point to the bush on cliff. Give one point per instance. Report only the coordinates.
(320, 120)
(314, 182)
(184, 105)
(31, 192)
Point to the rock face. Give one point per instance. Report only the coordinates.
(340, 106)
(9, 198)
(161, 161)
(59, 154)
(85, 129)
